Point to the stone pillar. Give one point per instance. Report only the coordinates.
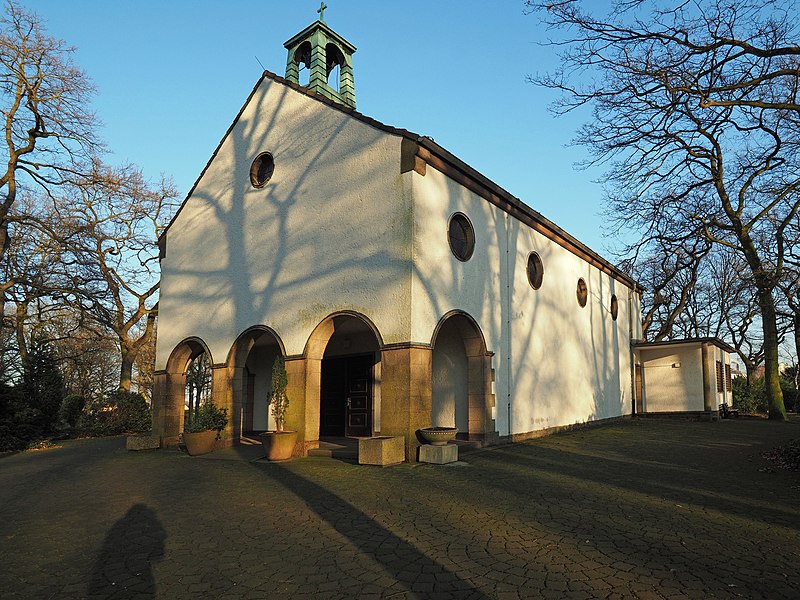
(491, 436)
(318, 79)
(347, 87)
(159, 404)
(300, 416)
(168, 402)
(238, 386)
(292, 68)
(406, 400)
(222, 397)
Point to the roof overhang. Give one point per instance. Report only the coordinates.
(687, 342)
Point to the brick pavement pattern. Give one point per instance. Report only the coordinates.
(639, 509)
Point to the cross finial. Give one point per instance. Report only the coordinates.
(321, 11)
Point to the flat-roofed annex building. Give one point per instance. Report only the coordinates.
(404, 288)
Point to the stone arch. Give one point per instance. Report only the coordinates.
(249, 364)
(462, 376)
(345, 341)
(168, 414)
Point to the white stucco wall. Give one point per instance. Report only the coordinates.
(673, 376)
(671, 388)
(329, 232)
(555, 362)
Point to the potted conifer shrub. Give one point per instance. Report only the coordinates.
(205, 429)
(278, 444)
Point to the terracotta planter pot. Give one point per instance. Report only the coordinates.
(438, 436)
(201, 442)
(278, 445)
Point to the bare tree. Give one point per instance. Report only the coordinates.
(198, 385)
(689, 113)
(47, 125)
(117, 216)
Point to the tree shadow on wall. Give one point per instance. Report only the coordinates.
(124, 566)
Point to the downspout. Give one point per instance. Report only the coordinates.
(631, 351)
(508, 325)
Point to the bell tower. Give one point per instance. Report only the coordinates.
(329, 58)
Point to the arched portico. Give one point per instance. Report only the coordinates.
(170, 390)
(250, 363)
(461, 378)
(342, 361)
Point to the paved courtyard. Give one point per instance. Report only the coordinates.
(638, 509)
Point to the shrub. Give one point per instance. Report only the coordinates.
(749, 398)
(118, 412)
(72, 409)
(278, 398)
(791, 398)
(209, 417)
(129, 412)
(42, 385)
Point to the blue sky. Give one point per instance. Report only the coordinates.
(172, 74)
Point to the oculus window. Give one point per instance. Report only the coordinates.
(614, 307)
(535, 270)
(582, 292)
(262, 169)
(461, 236)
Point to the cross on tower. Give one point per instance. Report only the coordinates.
(321, 11)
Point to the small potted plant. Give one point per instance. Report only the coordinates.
(205, 429)
(278, 444)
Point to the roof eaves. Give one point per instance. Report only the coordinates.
(686, 341)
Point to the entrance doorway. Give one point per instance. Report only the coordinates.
(346, 396)
(344, 353)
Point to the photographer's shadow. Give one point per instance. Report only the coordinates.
(124, 566)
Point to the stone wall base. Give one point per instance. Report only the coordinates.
(143, 442)
(530, 435)
(689, 415)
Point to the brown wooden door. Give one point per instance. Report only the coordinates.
(359, 396)
(346, 396)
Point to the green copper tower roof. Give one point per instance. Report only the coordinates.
(323, 52)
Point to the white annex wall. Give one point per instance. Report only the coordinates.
(555, 362)
(673, 378)
(332, 221)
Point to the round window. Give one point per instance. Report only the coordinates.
(535, 270)
(614, 307)
(582, 292)
(461, 236)
(262, 169)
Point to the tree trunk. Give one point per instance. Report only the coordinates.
(126, 369)
(772, 381)
(797, 344)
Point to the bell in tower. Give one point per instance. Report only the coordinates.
(327, 56)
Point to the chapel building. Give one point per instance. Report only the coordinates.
(403, 288)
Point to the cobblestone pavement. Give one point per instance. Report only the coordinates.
(638, 509)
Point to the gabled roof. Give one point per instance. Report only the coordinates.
(431, 153)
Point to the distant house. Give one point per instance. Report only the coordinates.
(404, 288)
